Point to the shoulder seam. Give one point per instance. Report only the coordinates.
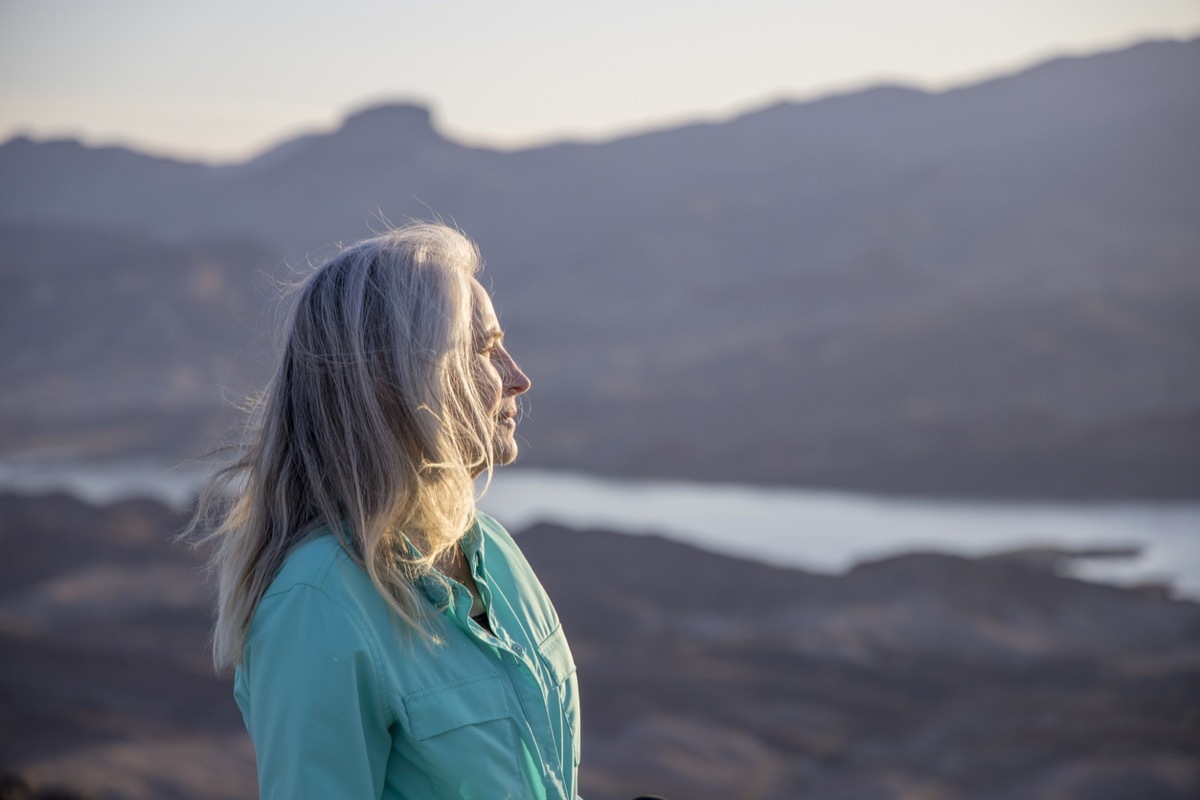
(363, 631)
(314, 577)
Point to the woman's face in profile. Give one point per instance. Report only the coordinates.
(498, 379)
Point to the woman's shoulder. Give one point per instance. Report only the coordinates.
(319, 561)
(320, 585)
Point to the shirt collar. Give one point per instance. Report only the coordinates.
(437, 588)
(473, 546)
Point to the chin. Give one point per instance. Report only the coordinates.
(504, 453)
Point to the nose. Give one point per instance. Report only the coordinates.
(515, 380)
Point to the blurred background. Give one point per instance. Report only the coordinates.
(863, 454)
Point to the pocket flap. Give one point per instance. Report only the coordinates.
(557, 656)
(469, 701)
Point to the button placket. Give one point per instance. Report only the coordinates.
(485, 589)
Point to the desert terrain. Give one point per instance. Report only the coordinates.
(702, 677)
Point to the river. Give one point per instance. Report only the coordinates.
(818, 530)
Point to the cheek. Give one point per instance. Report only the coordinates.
(488, 384)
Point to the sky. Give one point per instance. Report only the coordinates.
(221, 80)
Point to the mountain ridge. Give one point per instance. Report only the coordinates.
(766, 107)
(990, 290)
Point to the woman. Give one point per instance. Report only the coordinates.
(389, 640)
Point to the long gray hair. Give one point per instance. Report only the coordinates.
(371, 427)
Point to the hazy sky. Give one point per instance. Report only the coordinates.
(221, 79)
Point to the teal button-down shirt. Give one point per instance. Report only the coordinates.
(342, 704)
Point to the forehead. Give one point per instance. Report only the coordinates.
(483, 315)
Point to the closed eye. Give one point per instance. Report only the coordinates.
(493, 342)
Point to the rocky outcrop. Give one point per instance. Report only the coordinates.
(914, 677)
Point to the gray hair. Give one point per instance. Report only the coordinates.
(371, 427)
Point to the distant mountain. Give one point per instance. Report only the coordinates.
(116, 341)
(990, 290)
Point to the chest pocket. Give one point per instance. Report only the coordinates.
(560, 666)
(466, 702)
(468, 716)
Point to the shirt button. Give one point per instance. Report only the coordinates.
(518, 651)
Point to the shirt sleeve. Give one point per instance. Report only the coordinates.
(318, 716)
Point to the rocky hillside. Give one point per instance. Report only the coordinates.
(915, 677)
(991, 290)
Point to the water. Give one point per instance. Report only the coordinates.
(104, 482)
(817, 530)
(831, 531)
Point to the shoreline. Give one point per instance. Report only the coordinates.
(816, 530)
